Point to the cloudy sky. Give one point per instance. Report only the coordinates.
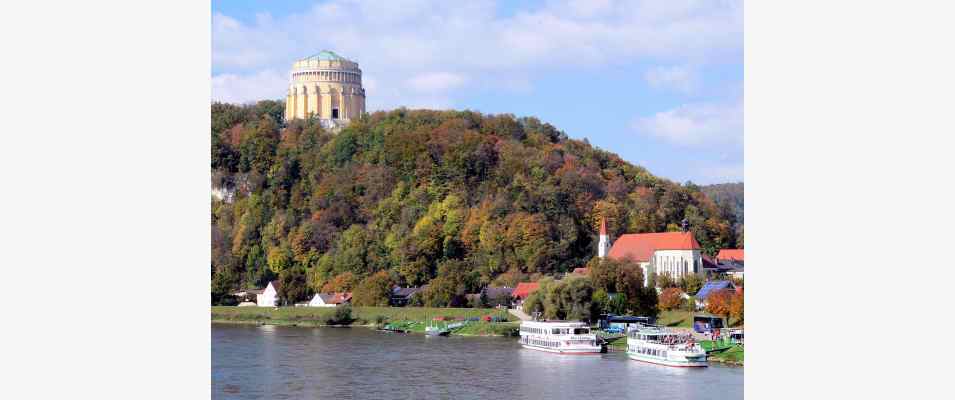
(658, 82)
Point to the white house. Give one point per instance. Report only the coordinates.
(330, 299)
(676, 254)
(270, 296)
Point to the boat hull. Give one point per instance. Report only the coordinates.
(583, 352)
(668, 362)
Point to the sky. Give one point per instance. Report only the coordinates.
(658, 82)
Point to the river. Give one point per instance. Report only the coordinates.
(255, 362)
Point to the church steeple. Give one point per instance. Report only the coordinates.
(603, 246)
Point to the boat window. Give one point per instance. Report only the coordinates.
(581, 331)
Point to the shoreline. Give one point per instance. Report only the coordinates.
(301, 324)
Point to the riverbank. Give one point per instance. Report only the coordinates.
(415, 319)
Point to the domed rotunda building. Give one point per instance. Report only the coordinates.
(325, 85)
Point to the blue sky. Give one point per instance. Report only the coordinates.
(658, 82)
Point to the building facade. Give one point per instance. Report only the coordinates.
(325, 85)
(676, 254)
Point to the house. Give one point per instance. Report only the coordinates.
(247, 295)
(523, 290)
(269, 296)
(400, 296)
(496, 296)
(330, 299)
(710, 288)
(676, 254)
(730, 255)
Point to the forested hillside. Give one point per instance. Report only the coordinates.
(729, 198)
(453, 198)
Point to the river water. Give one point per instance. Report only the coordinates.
(256, 362)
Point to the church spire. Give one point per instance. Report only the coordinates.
(603, 246)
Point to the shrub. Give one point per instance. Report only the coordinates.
(691, 283)
(342, 316)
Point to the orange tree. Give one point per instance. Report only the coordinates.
(718, 302)
(671, 298)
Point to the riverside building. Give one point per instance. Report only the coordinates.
(328, 86)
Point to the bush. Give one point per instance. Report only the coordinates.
(342, 316)
(691, 283)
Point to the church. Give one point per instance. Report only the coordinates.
(328, 86)
(676, 254)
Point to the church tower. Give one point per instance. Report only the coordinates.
(603, 246)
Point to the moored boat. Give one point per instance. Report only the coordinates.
(660, 346)
(561, 337)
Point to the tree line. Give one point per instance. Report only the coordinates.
(458, 200)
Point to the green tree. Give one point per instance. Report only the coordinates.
(374, 290)
(691, 283)
(293, 286)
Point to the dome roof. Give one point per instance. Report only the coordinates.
(325, 55)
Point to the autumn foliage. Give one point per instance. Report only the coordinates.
(726, 303)
(671, 298)
(502, 199)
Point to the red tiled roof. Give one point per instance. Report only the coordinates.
(523, 289)
(640, 246)
(582, 271)
(730, 254)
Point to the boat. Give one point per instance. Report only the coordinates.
(664, 347)
(434, 330)
(561, 337)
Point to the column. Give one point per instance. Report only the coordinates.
(294, 102)
(344, 105)
(327, 104)
(314, 104)
(302, 103)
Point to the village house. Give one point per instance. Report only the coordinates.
(521, 292)
(330, 299)
(730, 255)
(400, 296)
(247, 297)
(676, 254)
(496, 296)
(269, 296)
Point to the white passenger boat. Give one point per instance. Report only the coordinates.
(660, 346)
(562, 337)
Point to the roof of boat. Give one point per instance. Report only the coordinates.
(556, 322)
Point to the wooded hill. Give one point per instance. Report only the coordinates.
(455, 198)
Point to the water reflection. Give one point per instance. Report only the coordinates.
(331, 363)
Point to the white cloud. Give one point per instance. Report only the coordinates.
(263, 85)
(436, 82)
(394, 41)
(696, 124)
(681, 78)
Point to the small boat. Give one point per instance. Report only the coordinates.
(561, 337)
(660, 346)
(436, 331)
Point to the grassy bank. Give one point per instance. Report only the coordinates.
(416, 318)
(684, 319)
(733, 355)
